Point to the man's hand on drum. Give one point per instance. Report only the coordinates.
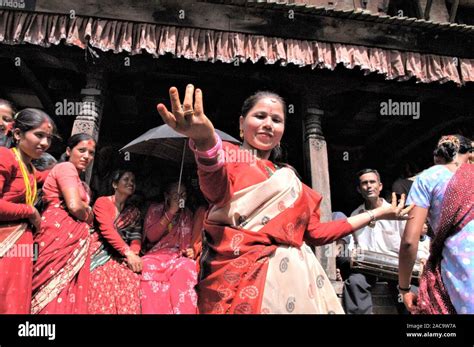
(188, 118)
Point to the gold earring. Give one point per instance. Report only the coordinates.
(241, 134)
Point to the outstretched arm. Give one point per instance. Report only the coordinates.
(189, 119)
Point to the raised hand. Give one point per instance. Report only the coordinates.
(396, 211)
(189, 118)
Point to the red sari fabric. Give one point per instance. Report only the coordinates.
(114, 288)
(168, 277)
(233, 282)
(16, 271)
(61, 273)
(457, 211)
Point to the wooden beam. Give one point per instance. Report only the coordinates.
(436, 10)
(428, 9)
(41, 92)
(36, 85)
(273, 22)
(346, 81)
(454, 10)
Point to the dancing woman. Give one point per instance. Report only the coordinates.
(256, 258)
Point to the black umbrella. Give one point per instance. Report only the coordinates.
(164, 142)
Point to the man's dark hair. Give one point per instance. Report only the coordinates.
(366, 171)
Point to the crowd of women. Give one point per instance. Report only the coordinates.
(247, 251)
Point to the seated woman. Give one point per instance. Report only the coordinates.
(169, 271)
(114, 282)
(61, 273)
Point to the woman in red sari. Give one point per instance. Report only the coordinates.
(255, 258)
(115, 265)
(61, 273)
(32, 134)
(169, 270)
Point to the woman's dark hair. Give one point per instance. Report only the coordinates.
(170, 184)
(117, 175)
(45, 162)
(465, 144)
(73, 141)
(278, 154)
(450, 145)
(253, 99)
(32, 118)
(115, 178)
(8, 104)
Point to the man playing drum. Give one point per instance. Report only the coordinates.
(379, 237)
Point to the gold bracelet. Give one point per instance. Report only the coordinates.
(372, 218)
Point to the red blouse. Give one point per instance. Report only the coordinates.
(105, 213)
(219, 186)
(12, 187)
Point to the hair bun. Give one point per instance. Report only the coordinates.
(446, 150)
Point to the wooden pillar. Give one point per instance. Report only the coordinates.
(434, 10)
(89, 119)
(316, 162)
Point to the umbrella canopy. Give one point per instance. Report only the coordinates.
(163, 142)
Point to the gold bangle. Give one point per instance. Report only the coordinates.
(372, 218)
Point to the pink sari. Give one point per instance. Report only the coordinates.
(168, 278)
(61, 274)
